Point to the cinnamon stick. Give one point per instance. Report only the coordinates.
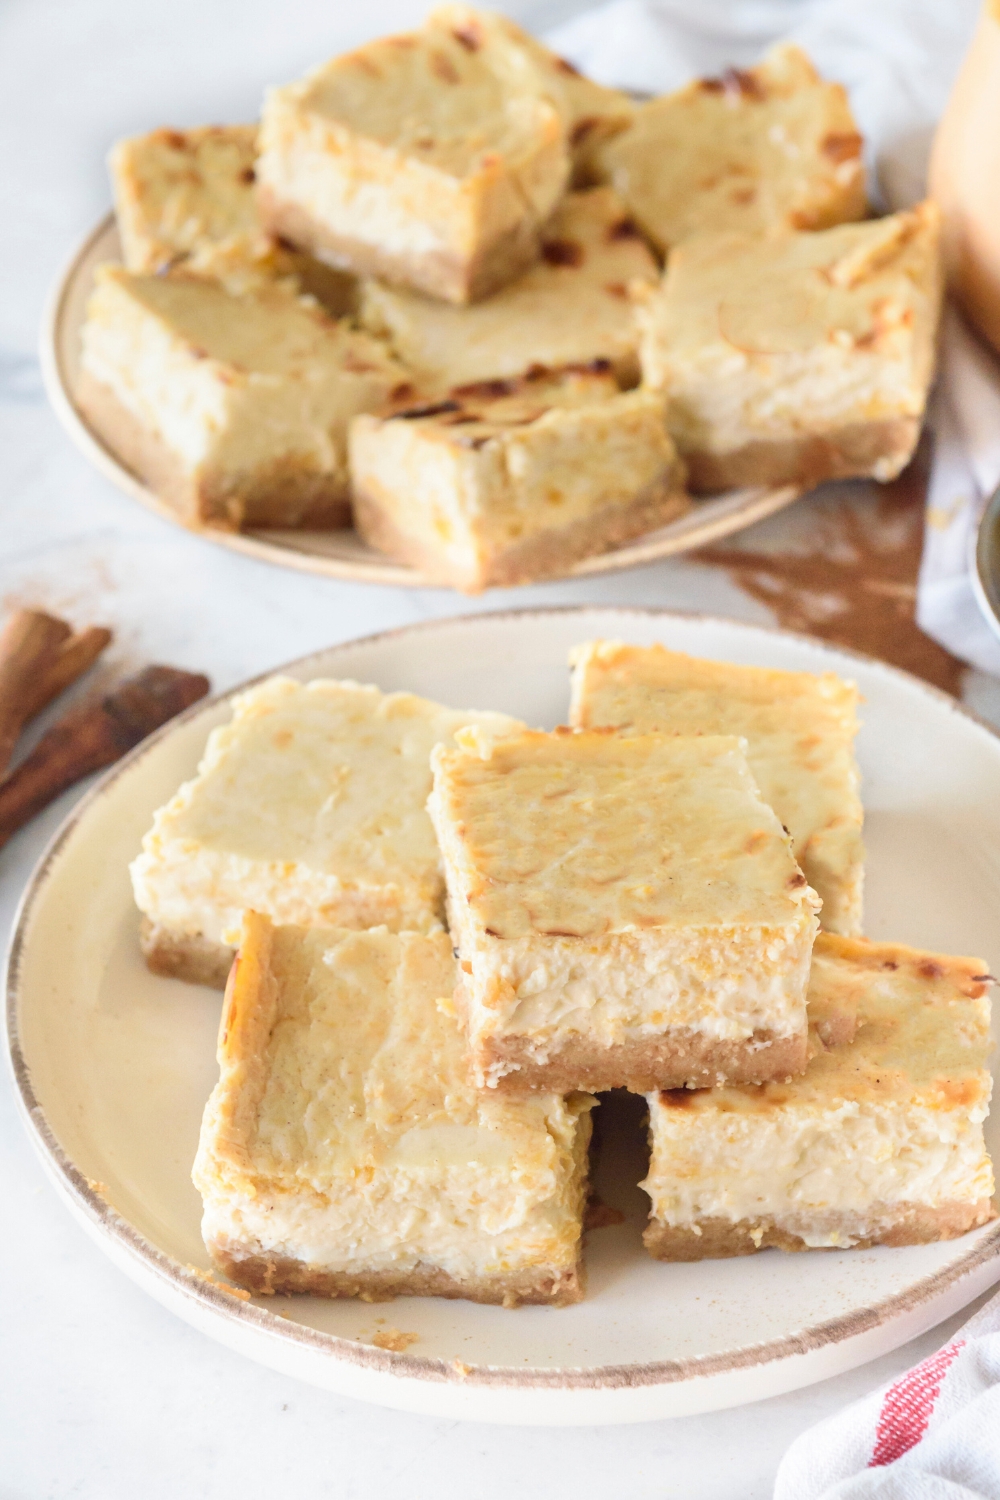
(39, 657)
(72, 658)
(28, 643)
(92, 736)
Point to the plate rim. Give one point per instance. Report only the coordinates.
(202, 1288)
(262, 546)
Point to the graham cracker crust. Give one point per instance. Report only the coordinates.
(550, 555)
(898, 1224)
(179, 955)
(854, 451)
(681, 1058)
(267, 1274)
(435, 272)
(282, 494)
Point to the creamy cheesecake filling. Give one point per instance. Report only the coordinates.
(810, 1171)
(722, 985)
(463, 1199)
(202, 892)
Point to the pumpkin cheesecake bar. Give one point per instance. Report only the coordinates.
(799, 358)
(770, 148)
(416, 159)
(188, 199)
(627, 911)
(307, 806)
(570, 308)
(232, 408)
(514, 480)
(879, 1142)
(345, 1151)
(799, 727)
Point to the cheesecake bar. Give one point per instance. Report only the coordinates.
(570, 308)
(232, 408)
(415, 159)
(879, 1142)
(188, 198)
(799, 727)
(307, 806)
(771, 148)
(800, 358)
(515, 480)
(591, 114)
(627, 911)
(345, 1151)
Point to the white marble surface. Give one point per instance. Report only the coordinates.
(104, 1393)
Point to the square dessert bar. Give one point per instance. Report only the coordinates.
(308, 806)
(514, 480)
(233, 408)
(770, 148)
(416, 159)
(799, 358)
(879, 1142)
(570, 308)
(188, 198)
(625, 910)
(345, 1151)
(799, 727)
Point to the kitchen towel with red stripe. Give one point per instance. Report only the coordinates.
(933, 1434)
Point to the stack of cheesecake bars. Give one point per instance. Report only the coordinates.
(500, 316)
(453, 931)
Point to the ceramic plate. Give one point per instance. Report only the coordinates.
(114, 1066)
(337, 554)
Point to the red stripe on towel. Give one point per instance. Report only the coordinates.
(908, 1405)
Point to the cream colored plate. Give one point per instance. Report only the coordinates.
(337, 554)
(114, 1066)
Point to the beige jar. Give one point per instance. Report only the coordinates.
(965, 178)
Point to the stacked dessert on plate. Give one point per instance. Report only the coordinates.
(446, 932)
(502, 317)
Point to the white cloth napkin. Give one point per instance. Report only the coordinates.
(934, 1434)
(898, 60)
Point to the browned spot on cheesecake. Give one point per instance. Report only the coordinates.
(470, 37)
(582, 129)
(443, 67)
(842, 147)
(624, 229)
(563, 253)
